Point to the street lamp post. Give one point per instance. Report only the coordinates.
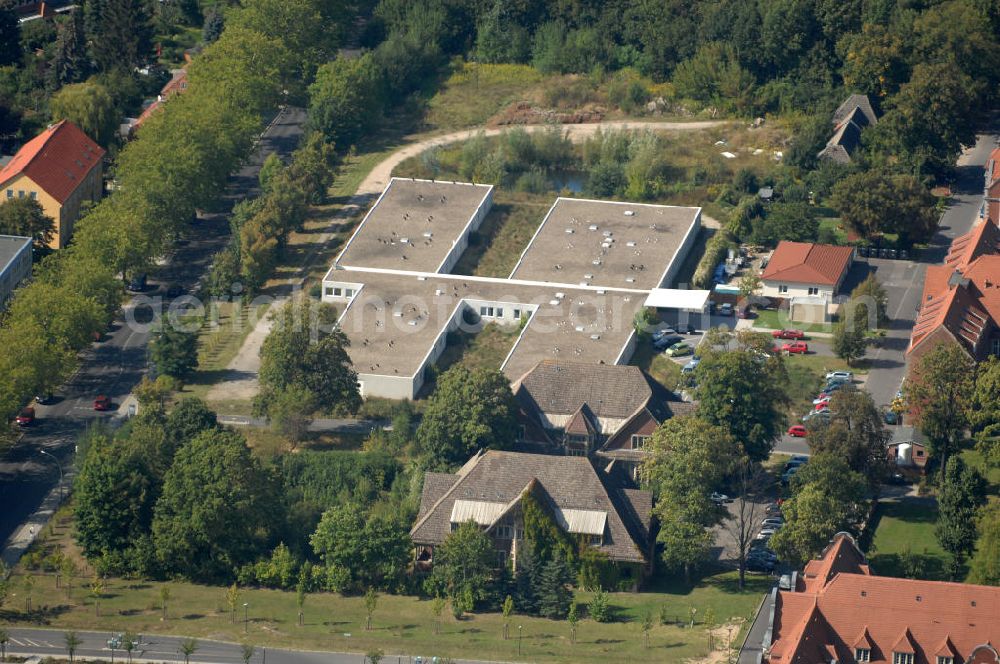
(519, 640)
(58, 465)
(246, 617)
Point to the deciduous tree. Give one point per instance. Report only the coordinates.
(962, 494)
(878, 201)
(469, 410)
(174, 350)
(218, 508)
(25, 217)
(372, 548)
(939, 390)
(737, 391)
(985, 565)
(848, 343)
(463, 563)
(855, 433)
(688, 457)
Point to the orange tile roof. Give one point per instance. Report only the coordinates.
(57, 160)
(884, 614)
(983, 239)
(962, 297)
(840, 556)
(808, 263)
(994, 165)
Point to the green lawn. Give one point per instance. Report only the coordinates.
(401, 624)
(904, 530)
(772, 319)
(806, 374)
(508, 228)
(663, 369)
(474, 92)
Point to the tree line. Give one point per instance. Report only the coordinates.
(178, 164)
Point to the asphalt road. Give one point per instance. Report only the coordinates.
(116, 364)
(159, 648)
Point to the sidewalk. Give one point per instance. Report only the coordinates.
(23, 537)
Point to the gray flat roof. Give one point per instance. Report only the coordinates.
(606, 243)
(10, 245)
(413, 225)
(394, 320)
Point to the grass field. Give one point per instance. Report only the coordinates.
(401, 624)
(506, 231)
(772, 319)
(664, 370)
(906, 529)
(805, 378)
(475, 92)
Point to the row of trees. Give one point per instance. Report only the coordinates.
(178, 164)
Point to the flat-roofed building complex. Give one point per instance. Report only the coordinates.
(574, 294)
(15, 264)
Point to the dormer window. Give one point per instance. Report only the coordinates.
(944, 659)
(902, 658)
(639, 442)
(862, 655)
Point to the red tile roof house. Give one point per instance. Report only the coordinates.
(991, 204)
(838, 611)
(807, 275)
(585, 503)
(605, 411)
(960, 303)
(178, 83)
(60, 168)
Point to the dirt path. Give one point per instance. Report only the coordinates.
(241, 382)
(376, 181)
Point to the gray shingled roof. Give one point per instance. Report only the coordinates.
(845, 110)
(435, 486)
(610, 390)
(570, 483)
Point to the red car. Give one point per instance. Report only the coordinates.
(102, 403)
(798, 431)
(26, 417)
(796, 347)
(823, 405)
(788, 334)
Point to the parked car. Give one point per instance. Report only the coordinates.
(102, 403)
(137, 283)
(863, 251)
(689, 328)
(798, 431)
(891, 417)
(757, 564)
(903, 255)
(823, 398)
(798, 458)
(822, 404)
(691, 365)
(44, 398)
(799, 347)
(845, 375)
(667, 341)
(837, 380)
(788, 475)
(26, 417)
(823, 416)
(795, 463)
(774, 509)
(680, 349)
(725, 309)
(719, 498)
(788, 334)
(773, 521)
(743, 311)
(662, 332)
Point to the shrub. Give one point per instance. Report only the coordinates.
(598, 607)
(715, 250)
(532, 182)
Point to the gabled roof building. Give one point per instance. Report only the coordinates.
(491, 487)
(839, 611)
(961, 299)
(600, 410)
(60, 168)
(849, 119)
